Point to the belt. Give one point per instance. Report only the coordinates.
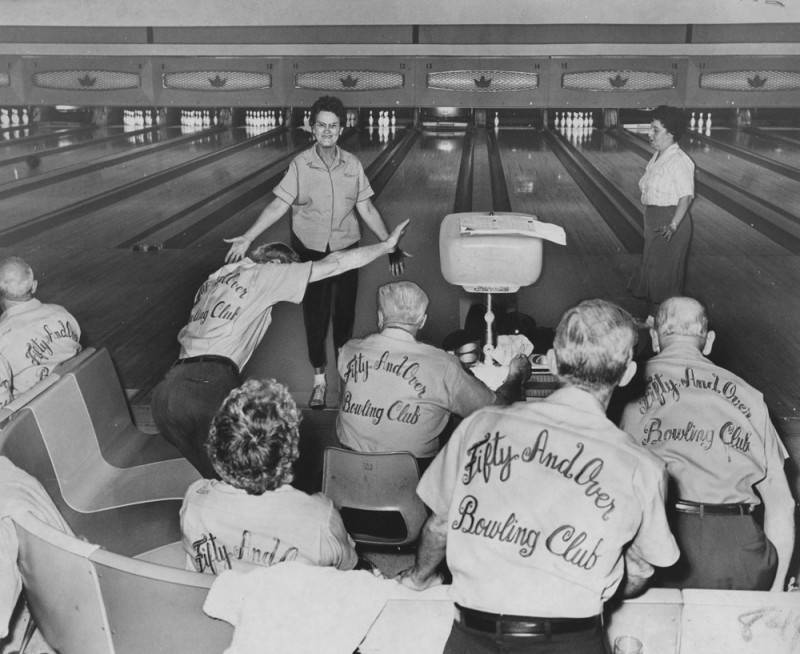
(685, 506)
(520, 625)
(208, 358)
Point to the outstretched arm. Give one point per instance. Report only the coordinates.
(343, 260)
(268, 217)
(372, 218)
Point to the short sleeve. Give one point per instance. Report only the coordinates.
(6, 382)
(365, 191)
(654, 543)
(339, 548)
(288, 188)
(467, 393)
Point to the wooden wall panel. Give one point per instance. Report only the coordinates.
(285, 34)
(11, 90)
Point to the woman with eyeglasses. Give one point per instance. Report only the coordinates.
(324, 186)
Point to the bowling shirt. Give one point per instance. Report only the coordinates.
(541, 499)
(224, 528)
(233, 308)
(397, 393)
(323, 200)
(668, 177)
(710, 427)
(34, 339)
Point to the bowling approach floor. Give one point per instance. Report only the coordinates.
(82, 208)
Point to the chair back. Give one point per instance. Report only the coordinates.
(376, 494)
(62, 589)
(112, 603)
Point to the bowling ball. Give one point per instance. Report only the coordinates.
(33, 161)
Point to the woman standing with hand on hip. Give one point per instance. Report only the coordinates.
(667, 188)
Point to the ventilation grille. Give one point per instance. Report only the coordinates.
(751, 80)
(86, 80)
(483, 81)
(217, 80)
(618, 80)
(349, 80)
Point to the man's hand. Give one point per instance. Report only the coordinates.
(408, 579)
(519, 368)
(396, 261)
(396, 256)
(238, 248)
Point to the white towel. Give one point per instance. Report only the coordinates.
(302, 609)
(19, 493)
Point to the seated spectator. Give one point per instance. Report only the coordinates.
(543, 508)
(253, 516)
(34, 337)
(231, 314)
(723, 456)
(397, 393)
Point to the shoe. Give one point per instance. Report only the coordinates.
(317, 400)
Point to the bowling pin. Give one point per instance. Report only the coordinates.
(692, 122)
(370, 120)
(700, 122)
(708, 122)
(496, 119)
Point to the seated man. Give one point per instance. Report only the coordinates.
(542, 507)
(34, 337)
(397, 393)
(714, 433)
(232, 311)
(253, 516)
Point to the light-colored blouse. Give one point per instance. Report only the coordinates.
(669, 176)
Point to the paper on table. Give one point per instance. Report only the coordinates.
(516, 224)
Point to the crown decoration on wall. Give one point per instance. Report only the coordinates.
(483, 81)
(86, 80)
(349, 80)
(751, 80)
(618, 81)
(216, 80)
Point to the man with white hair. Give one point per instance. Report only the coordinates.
(34, 337)
(397, 393)
(723, 455)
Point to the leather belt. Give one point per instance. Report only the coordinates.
(208, 358)
(699, 508)
(520, 625)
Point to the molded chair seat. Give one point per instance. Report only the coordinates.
(376, 494)
(86, 600)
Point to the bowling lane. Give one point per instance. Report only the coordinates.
(93, 145)
(750, 177)
(19, 142)
(760, 143)
(60, 194)
(122, 220)
(716, 231)
(539, 184)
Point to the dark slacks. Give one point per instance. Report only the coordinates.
(463, 640)
(333, 297)
(185, 402)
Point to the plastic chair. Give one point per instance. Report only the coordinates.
(86, 600)
(376, 494)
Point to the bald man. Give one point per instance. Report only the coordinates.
(723, 455)
(34, 337)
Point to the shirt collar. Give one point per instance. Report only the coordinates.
(317, 162)
(577, 398)
(22, 307)
(398, 334)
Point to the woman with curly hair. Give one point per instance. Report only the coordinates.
(253, 516)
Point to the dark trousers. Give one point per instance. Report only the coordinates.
(185, 402)
(463, 640)
(336, 296)
(729, 552)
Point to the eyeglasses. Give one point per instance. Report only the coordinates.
(331, 126)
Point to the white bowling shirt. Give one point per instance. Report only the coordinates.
(668, 177)
(224, 528)
(710, 427)
(233, 308)
(5, 382)
(541, 498)
(398, 394)
(34, 339)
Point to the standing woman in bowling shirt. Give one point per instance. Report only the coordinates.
(667, 188)
(324, 186)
